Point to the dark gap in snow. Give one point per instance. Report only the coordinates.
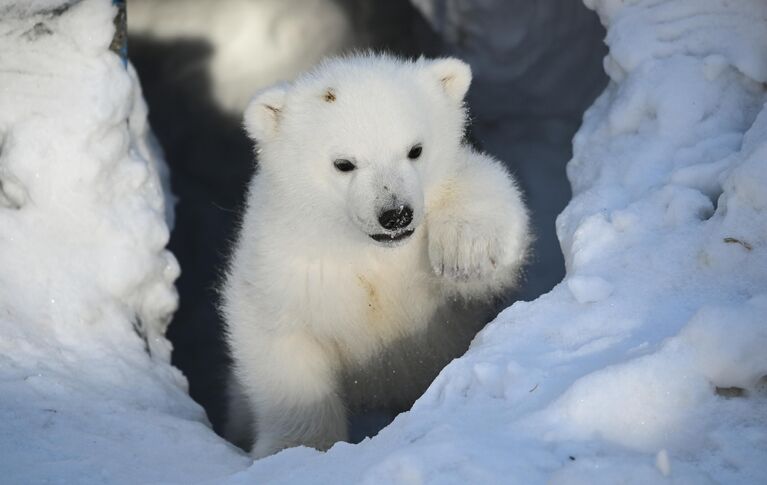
(140, 328)
(37, 30)
(13, 195)
(714, 198)
(21, 10)
(730, 392)
(210, 162)
(7, 200)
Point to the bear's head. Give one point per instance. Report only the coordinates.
(361, 141)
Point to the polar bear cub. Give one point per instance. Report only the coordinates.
(374, 245)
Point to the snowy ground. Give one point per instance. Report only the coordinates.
(645, 365)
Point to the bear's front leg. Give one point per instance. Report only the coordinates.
(478, 229)
(291, 385)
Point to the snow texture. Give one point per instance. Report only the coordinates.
(645, 365)
(87, 393)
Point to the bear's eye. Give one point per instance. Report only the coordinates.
(415, 152)
(343, 165)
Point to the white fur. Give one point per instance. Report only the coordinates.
(310, 298)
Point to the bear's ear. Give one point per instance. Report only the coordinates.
(262, 116)
(453, 75)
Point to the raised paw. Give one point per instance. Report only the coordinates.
(464, 251)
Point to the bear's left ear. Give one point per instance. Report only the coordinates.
(262, 116)
(453, 75)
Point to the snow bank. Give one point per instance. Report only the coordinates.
(86, 289)
(645, 365)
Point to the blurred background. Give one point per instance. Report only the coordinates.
(537, 66)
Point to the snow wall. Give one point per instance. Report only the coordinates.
(87, 393)
(645, 365)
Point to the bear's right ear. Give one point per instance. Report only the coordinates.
(262, 116)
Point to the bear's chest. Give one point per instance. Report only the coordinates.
(361, 305)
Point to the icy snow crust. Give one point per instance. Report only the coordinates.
(645, 365)
(86, 288)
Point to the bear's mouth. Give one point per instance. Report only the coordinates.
(384, 238)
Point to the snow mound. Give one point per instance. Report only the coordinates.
(87, 393)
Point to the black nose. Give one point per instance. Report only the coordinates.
(397, 218)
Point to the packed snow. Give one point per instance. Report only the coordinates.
(87, 393)
(645, 365)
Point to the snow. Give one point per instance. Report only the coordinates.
(589, 289)
(86, 289)
(645, 365)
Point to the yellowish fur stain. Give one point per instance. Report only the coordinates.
(372, 294)
(444, 196)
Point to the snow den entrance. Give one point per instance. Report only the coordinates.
(200, 61)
